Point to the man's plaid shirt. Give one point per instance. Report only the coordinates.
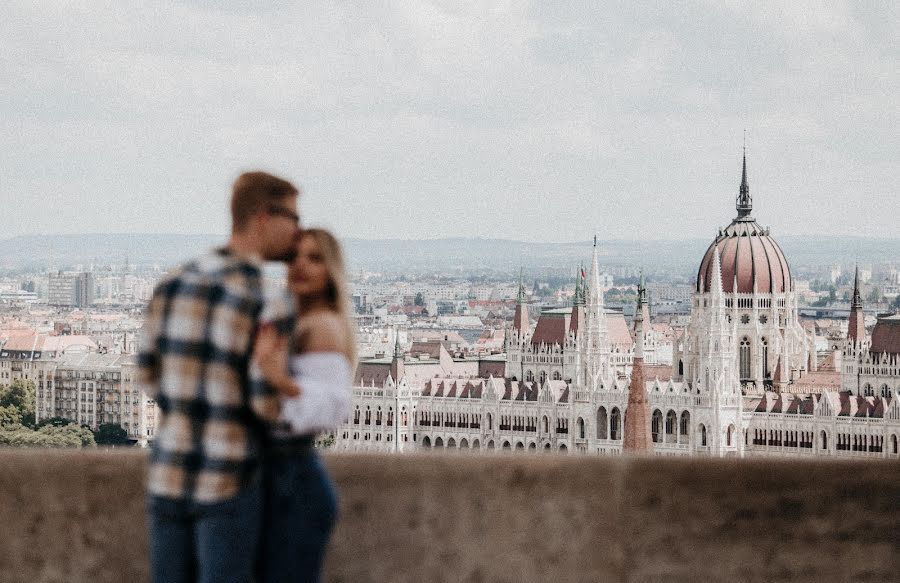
(195, 361)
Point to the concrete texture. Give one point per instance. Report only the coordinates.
(79, 516)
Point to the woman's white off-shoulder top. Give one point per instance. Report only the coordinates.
(325, 393)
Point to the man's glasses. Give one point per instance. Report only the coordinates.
(279, 211)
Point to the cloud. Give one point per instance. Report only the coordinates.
(545, 121)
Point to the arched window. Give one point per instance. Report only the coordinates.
(824, 440)
(615, 424)
(581, 428)
(894, 444)
(463, 443)
(730, 435)
(563, 448)
(506, 445)
(520, 446)
(543, 377)
(885, 391)
(476, 444)
(451, 442)
(438, 442)
(745, 358)
(702, 430)
(546, 424)
(426, 441)
(529, 376)
(684, 430)
(602, 422)
(368, 416)
(490, 421)
(557, 376)
(656, 425)
(671, 426)
(764, 349)
(681, 368)
(868, 391)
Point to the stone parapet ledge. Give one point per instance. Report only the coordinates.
(79, 516)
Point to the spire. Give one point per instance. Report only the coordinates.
(520, 298)
(856, 328)
(520, 321)
(398, 352)
(715, 286)
(578, 300)
(637, 438)
(639, 323)
(744, 202)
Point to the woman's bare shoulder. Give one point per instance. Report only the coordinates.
(324, 332)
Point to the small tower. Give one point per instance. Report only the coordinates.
(520, 323)
(398, 368)
(856, 331)
(744, 201)
(576, 323)
(637, 438)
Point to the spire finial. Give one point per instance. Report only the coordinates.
(744, 202)
(857, 297)
(520, 297)
(595, 240)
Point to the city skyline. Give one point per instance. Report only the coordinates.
(515, 121)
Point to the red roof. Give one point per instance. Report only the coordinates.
(551, 329)
(886, 336)
(749, 254)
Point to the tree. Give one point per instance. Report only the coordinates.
(10, 417)
(55, 422)
(20, 396)
(420, 300)
(896, 303)
(111, 434)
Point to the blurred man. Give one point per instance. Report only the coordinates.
(204, 495)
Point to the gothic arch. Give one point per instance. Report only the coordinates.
(581, 432)
(615, 424)
(602, 423)
(656, 425)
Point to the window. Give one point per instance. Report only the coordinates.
(656, 425)
(615, 424)
(745, 358)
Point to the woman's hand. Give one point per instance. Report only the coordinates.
(270, 354)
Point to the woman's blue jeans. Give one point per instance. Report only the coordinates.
(300, 508)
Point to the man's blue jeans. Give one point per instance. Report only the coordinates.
(300, 511)
(206, 543)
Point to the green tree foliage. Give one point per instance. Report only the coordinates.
(20, 396)
(17, 427)
(47, 436)
(55, 422)
(420, 300)
(111, 434)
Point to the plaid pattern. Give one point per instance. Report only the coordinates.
(195, 361)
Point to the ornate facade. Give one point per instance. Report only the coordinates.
(735, 388)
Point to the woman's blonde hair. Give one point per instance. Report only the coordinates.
(337, 292)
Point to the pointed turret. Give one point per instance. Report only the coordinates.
(856, 329)
(576, 322)
(520, 322)
(398, 366)
(637, 437)
(596, 347)
(744, 201)
(643, 302)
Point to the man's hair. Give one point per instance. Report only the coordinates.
(254, 192)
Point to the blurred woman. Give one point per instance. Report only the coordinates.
(300, 498)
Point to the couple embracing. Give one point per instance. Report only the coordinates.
(244, 382)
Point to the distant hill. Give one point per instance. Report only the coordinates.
(678, 257)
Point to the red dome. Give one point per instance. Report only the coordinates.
(747, 251)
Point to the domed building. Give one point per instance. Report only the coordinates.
(770, 346)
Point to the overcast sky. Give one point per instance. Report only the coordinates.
(548, 121)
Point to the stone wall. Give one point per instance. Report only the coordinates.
(79, 516)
